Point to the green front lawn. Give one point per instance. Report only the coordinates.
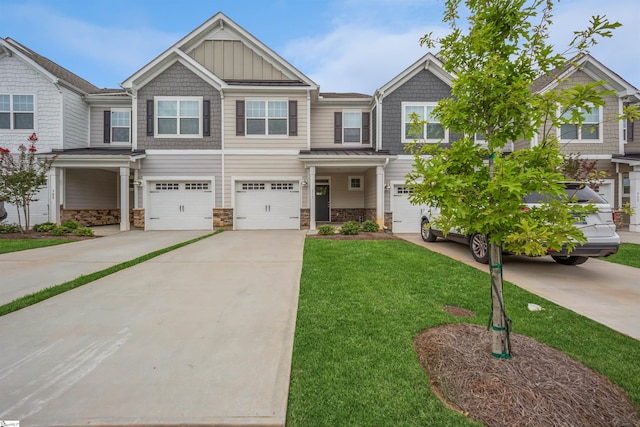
(361, 305)
(628, 254)
(10, 245)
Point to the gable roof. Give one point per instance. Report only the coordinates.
(49, 68)
(428, 62)
(594, 69)
(219, 27)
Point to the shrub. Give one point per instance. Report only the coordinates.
(58, 231)
(350, 228)
(83, 231)
(70, 225)
(326, 230)
(370, 227)
(9, 228)
(44, 227)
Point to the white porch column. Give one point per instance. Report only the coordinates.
(634, 199)
(311, 188)
(54, 204)
(380, 196)
(124, 199)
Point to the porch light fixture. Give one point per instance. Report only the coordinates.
(387, 186)
(303, 182)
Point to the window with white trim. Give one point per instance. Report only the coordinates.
(588, 131)
(351, 126)
(430, 131)
(120, 125)
(356, 183)
(267, 117)
(179, 116)
(16, 111)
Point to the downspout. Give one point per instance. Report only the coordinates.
(222, 193)
(308, 120)
(378, 99)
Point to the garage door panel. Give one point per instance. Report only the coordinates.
(175, 205)
(406, 217)
(267, 205)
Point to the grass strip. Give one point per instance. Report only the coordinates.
(628, 254)
(52, 291)
(9, 245)
(363, 302)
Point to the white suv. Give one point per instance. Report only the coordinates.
(598, 228)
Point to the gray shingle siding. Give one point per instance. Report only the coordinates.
(177, 80)
(423, 87)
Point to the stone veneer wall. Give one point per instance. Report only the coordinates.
(352, 214)
(388, 220)
(305, 219)
(90, 217)
(222, 219)
(138, 218)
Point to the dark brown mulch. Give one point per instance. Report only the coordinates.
(37, 235)
(539, 386)
(361, 236)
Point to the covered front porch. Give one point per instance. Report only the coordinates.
(628, 167)
(93, 186)
(345, 185)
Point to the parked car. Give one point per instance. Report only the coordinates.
(598, 228)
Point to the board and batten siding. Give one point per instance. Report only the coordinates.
(256, 142)
(232, 59)
(166, 165)
(75, 118)
(91, 189)
(262, 166)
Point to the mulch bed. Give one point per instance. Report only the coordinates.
(539, 386)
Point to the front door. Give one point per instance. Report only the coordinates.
(322, 202)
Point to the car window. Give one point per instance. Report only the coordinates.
(575, 192)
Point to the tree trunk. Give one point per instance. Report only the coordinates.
(500, 347)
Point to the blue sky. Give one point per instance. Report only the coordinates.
(343, 45)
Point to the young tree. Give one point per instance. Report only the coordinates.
(21, 177)
(480, 189)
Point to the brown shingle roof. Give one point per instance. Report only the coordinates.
(58, 71)
(343, 95)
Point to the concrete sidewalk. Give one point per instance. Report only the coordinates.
(25, 272)
(202, 335)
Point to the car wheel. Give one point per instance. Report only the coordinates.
(570, 260)
(427, 232)
(479, 248)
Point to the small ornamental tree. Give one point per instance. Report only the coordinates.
(495, 58)
(21, 177)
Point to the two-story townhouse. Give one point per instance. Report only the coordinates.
(602, 137)
(37, 95)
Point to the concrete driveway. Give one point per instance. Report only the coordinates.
(603, 291)
(25, 272)
(201, 335)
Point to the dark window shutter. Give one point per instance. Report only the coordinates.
(293, 118)
(337, 131)
(107, 126)
(240, 118)
(150, 117)
(629, 131)
(365, 128)
(206, 118)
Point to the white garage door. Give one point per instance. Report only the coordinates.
(271, 205)
(179, 205)
(406, 217)
(38, 209)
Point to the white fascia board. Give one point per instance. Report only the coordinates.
(97, 162)
(29, 61)
(427, 62)
(190, 40)
(243, 89)
(154, 152)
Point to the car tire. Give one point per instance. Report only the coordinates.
(479, 245)
(570, 260)
(426, 232)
